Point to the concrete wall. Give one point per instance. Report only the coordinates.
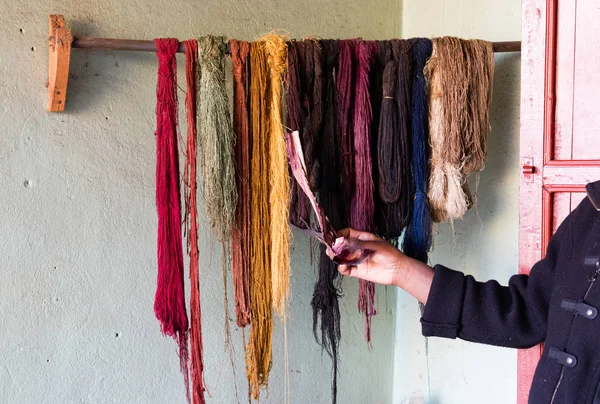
(484, 244)
(79, 224)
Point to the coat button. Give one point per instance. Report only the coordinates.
(563, 358)
(580, 308)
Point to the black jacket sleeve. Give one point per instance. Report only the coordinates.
(511, 316)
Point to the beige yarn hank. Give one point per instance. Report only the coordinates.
(216, 137)
(216, 141)
(460, 74)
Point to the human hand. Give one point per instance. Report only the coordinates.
(383, 263)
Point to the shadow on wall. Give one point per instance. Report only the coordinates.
(499, 182)
(504, 112)
(96, 74)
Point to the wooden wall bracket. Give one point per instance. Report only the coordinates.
(59, 56)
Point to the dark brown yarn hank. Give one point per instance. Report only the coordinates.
(383, 224)
(345, 94)
(325, 300)
(312, 106)
(392, 160)
(304, 95)
(389, 145)
(376, 93)
(300, 212)
(240, 236)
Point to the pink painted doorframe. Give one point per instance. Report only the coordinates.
(547, 191)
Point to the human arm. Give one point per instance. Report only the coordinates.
(388, 266)
(456, 305)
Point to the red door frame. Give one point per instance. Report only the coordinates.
(542, 175)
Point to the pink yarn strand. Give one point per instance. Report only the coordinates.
(169, 303)
(362, 205)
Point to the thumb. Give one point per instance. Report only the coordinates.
(372, 245)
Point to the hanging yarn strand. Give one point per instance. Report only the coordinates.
(279, 197)
(307, 73)
(354, 119)
(437, 191)
(383, 223)
(402, 53)
(316, 117)
(325, 300)
(362, 207)
(460, 75)
(418, 238)
(393, 141)
(218, 167)
(299, 203)
(196, 360)
(293, 87)
(389, 145)
(169, 303)
(241, 233)
(345, 87)
(312, 105)
(481, 63)
(258, 355)
(392, 157)
(293, 118)
(216, 138)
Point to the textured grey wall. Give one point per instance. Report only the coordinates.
(79, 223)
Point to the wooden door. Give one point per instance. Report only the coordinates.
(560, 128)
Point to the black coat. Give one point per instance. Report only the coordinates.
(556, 304)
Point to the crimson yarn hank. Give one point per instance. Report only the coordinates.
(327, 291)
(169, 302)
(362, 205)
(240, 236)
(191, 210)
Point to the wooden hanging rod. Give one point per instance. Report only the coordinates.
(120, 44)
(60, 42)
(150, 46)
